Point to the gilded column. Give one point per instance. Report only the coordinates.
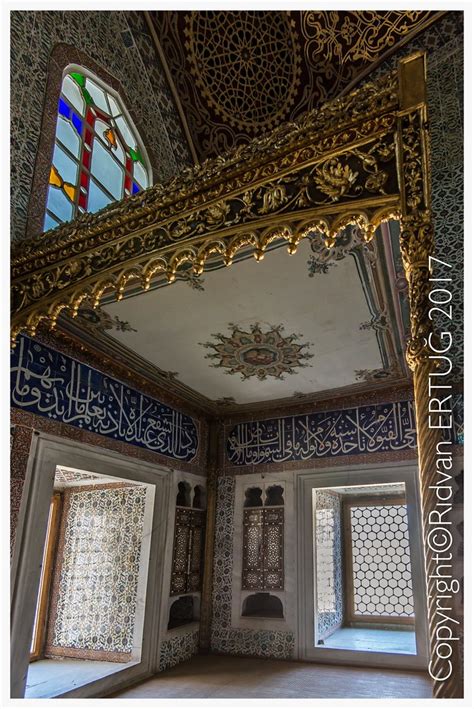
(417, 245)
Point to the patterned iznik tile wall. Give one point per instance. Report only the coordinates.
(224, 638)
(94, 597)
(120, 43)
(175, 650)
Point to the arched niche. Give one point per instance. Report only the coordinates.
(262, 605)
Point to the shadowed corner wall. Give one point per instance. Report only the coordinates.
(119, 42)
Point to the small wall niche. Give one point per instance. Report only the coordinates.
(253, 497)
(199, 497)
(182, 611)
(262, 605)
(183, 498)
(274, 496)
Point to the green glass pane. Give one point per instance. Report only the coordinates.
(73, 94)
(106, 170)
(68, 136)
(136, 155)
(78, 78)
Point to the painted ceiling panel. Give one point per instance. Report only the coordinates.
(257, 331)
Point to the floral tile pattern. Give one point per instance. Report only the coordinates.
(178, 649)
(95, 587)
(224, 638)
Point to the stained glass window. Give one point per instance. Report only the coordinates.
(98, 156)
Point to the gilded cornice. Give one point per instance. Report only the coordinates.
(329, 168)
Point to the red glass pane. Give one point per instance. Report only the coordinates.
(82, 200)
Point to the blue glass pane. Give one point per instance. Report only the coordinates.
(97, 198)
(135, 188)
(49, 222)
(59, 204)
(77, 123)
(68, 136)
(63, 108)
(106, 170)
(66, 167)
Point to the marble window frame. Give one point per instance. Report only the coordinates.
(46, 453)
(358, 475)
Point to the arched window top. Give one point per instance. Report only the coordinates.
(98, 156)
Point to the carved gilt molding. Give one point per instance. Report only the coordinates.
(331, 168)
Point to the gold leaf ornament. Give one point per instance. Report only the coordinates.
(273, 198)
(335, 179)
(217, 213)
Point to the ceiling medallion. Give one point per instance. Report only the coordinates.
(247, 65)
(257, 353)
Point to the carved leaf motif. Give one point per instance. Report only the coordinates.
(217, 213)
(376, 181)
(273, 198)
(335, 179)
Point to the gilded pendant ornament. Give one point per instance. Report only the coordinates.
(256, 353)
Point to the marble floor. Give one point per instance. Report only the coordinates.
(51, 678)
(223, 676)
(373, 640)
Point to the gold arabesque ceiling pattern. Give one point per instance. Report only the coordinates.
(238, 74)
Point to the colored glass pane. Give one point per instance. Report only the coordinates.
(96, 162)
(63, 108)
(78, 78)
(101, 127)
(136, 155)
(72, 92)
(65, 166)
(68, 136)
(77, 123)
(97, 198)
(106, 170)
